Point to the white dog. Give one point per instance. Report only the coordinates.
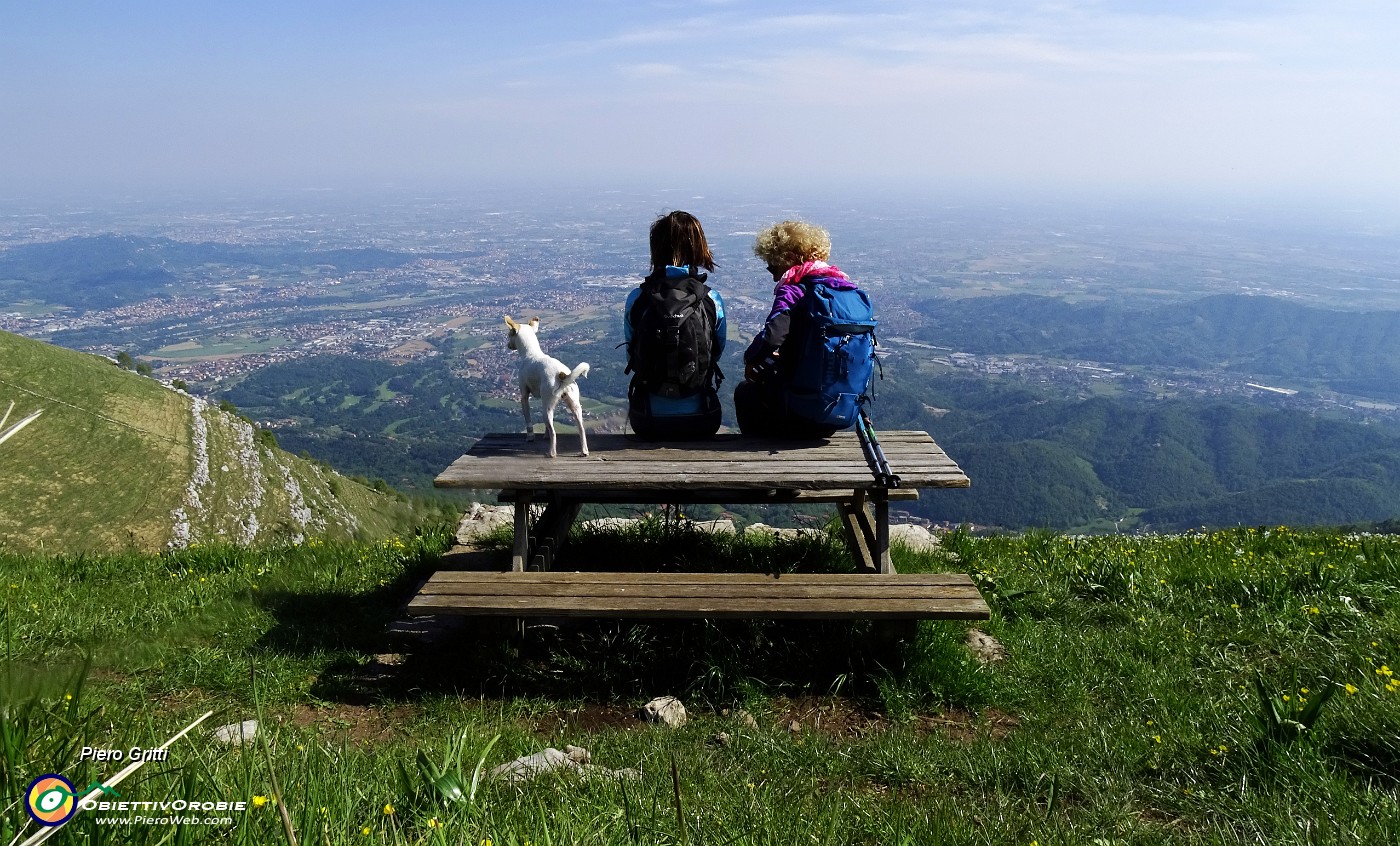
(548, 379)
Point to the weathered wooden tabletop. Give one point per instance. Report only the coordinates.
(725, 462)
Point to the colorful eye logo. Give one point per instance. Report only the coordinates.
(51, 799)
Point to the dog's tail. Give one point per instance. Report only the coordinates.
(566, 378)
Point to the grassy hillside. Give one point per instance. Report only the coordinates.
(118, 460)
(1226, 688)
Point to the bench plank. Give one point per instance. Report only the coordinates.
(714, 595)
(495, 577)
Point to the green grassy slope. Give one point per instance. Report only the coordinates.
(1155, 690)
(118, 460)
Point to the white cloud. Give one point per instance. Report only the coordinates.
(648, 70)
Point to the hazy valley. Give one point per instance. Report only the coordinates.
(369, 337)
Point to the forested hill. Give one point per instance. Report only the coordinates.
(118, 461)
(1165, 465)
(1348, 351)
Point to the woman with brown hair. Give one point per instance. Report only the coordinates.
(674, 327)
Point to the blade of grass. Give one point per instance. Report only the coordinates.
(480, 766)
(676, 787)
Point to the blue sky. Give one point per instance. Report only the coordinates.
(1233, 98)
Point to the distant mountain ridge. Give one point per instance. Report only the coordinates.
(119, 460)
(1353, 352)
(103, 271)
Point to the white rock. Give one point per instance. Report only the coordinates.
(594, 771)
(985, 648)
(527, 767)
(481, 520)
(725, 527)
(236, 734)
(609, 523)
(664, 709)
(913, 536)
(765, 529)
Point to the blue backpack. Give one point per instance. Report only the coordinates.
(830, 377)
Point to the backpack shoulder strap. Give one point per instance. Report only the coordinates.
(634, 317)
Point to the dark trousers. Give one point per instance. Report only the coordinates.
(760, 410)
(674, 427)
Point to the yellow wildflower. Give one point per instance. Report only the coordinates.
(259, 801)
(1351, 688)
(388, 809)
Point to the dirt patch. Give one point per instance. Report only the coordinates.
(964, 726)
(840, 718)
(828, 716)
(590, 717)
(356, 723)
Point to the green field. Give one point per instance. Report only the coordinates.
(1232, 687)
(216, 348)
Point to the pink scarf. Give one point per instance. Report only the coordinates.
(796, 273)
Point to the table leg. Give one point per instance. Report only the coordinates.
(552, 530)
(882, 533)
(860, 538)
(520, 550)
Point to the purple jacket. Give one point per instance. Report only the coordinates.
(775, 330)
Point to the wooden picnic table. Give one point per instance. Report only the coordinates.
(727, 469)
(734, 469)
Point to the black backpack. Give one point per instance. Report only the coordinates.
(673, 328)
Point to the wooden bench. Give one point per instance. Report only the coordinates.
(710, 595)
(726, 469)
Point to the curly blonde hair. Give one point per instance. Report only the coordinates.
(792, 242)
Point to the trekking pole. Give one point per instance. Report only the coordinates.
(891, 478)
(869, 450)
(884, 474)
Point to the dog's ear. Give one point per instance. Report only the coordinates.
(535, 322)
(511, 323)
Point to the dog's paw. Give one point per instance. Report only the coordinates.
(583, 453)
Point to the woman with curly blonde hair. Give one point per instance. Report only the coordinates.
(796, 255)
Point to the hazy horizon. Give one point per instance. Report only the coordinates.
(1237, 102)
